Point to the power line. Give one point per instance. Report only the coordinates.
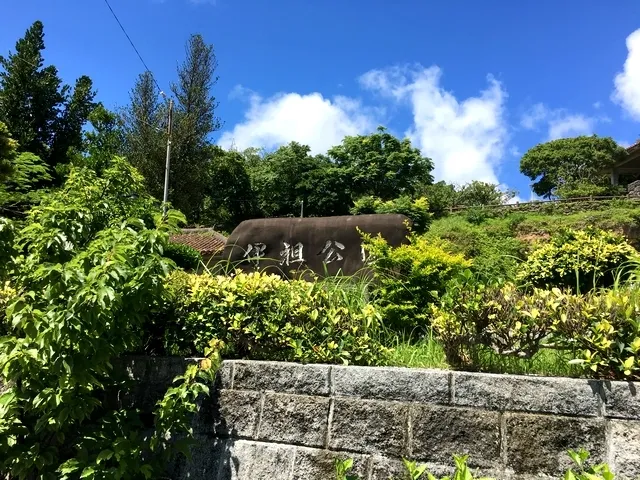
(133, 45)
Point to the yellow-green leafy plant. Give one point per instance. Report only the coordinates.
(410, 278)
(582, 471)
(603, 328)
(6, 295)
(577, 259)
(261, 316)
(88, 269)
(500, 317)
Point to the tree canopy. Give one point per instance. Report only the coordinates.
(44, 116)
(568, 163)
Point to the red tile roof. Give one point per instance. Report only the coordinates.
(206, 240)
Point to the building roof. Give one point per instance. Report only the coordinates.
(206, 240)
(634, 148)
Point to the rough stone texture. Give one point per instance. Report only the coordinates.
(282, 377)
(622, 399)
(269, 420)
(207, 455)
(538, 443)
(313, 464)
(257, 461)
(369, 426)
(625, 448)
(634, 189)
(429, 386)
(440, 432)
(529, 394)
(295, 419)
(236, 414)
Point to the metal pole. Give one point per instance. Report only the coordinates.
(302, 209)
(168, 163)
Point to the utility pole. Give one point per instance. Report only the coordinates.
(168, 164)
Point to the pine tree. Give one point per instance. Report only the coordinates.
(45, 117)
(145, 137)
(195, 121)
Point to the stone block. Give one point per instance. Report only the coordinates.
(294, 419)
(235, 414)
(248, 460)
(224, 376)
(206, 456)
(369, 426)
(624, 444)
(281, 377)
(440, 432)
(314, 464)
(566, 396)
(622, 399)
(402, 384)
(537, 444)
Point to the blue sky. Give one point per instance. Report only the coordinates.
(474, 84)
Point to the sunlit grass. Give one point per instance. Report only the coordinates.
(428, 353)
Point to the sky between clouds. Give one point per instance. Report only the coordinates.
(467, 138)
(472, 95)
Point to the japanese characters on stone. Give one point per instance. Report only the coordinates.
(294, 253)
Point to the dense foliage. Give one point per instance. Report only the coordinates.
(86, 271)
(44, 116)
(501, 317)
(580, 260)
(184, 256)
(262, 317)
(409, 279)
(568, 165)
(416, 210)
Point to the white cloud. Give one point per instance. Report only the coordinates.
(465, 138)
(531, 119)
(309, 119)
(559, 122)
(515, 152)
(597, 105)
(627, 82)
(570, 126)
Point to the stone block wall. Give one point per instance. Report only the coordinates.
(634, 189)
(281, 421)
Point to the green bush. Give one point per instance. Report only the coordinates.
(492, 247)
(87, 273)
(500, 317)
(603, 328)
(416, 210)
(6, 295)
(185, 256)
(409, 278)
(261, 316)
(577, 259)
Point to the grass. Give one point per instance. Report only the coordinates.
(428, 353)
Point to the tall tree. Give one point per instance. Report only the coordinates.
(144, 121)
(230, 198)
(381, 165)
(45, 117)
(20, 173)
(570, 163)
(195, 121)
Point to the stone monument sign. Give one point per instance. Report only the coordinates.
(324, 245)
